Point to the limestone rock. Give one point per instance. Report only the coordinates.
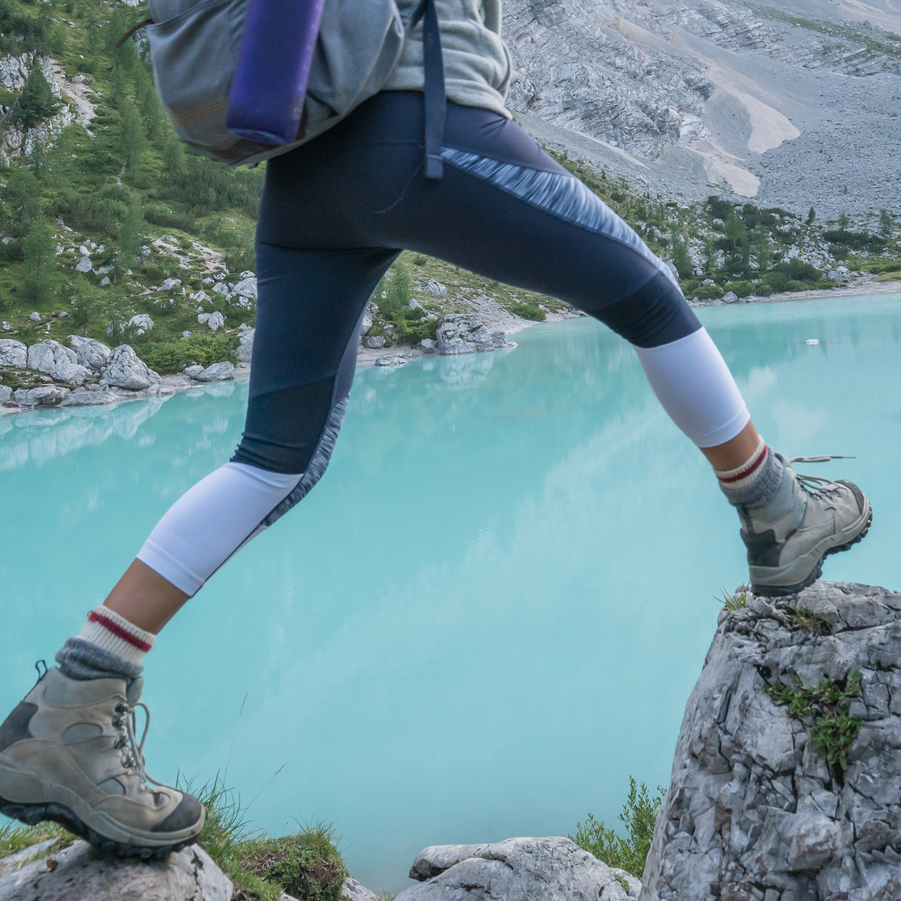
(436, 289)
(519, 869)
(79, 872)
(90, 353)
(463, 334)
(376, 342)
(353, 891)
(192, 371)
(141, 323)
(84, 265)
(45, 396)
(754, 811)
(13, 354)
(428, 346)
(391, 360)
(34, 317)
(369, 316)
(729, 297)
(60, 363)
(6, 394)
(218, 372)
(126, 370)
(82, 397)
(214, 320)
(247, 287)
(245, 346)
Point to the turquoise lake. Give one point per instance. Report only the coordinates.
(490, 612)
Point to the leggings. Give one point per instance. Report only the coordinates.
(335, 214)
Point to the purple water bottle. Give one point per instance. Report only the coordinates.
(265, 102)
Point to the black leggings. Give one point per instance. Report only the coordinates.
(337, 212)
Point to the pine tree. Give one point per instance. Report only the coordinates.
(131, 234)
(811, 216)
(681, 259)
(36, 102)
(132, 140)
(39, 267)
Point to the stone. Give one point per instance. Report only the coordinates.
(436, 288)
(353, 891)
(84, 265)
(754, 810)
(193, 370)
(90, 353)
(6, 394)
(729, 297)
(428, 346)
(34, 317)
(5, 326)
(62, 315)
(59, 362)
(499, 339)
(390, 360)
(708, 282)
(460, 333)
(81, 872)
(186, 334)
(518, 869)
(376, 342)
(141, 323)
(13, 354)
(81, 397)
(222, 288)
(247, 287)
(126, 370)
(170, 284)
(369, 316)
(214, 320)
(245, 346)
(45, 396)
(218, 372)
(105, 281)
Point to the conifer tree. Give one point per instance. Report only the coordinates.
(36, 102)
(39, 267)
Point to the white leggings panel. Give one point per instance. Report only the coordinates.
(694, 385)
(213, 520)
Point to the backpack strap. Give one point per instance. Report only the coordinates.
(435, 94)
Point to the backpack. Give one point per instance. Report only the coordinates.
(194, 48)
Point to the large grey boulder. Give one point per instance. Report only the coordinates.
(218, 372)
(247, 287)
(13, 354)
(90, 353)
(45, 396)
(463, 334)
(81, 397)
(519, 869)
(79, 872)
(6, 394)
(353, 891)
(60, 363)
(126, 370)
(141, 323)
(245, 346)
(755, 811)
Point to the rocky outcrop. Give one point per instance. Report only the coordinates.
(218, 372)
(786, 784)
(90, 353)
(59, 362)
(126, 370)
(13, 354)
(245, 345)
(39, 874)
(519, 869)
(463, 334)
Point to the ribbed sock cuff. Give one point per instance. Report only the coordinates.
(754, 482)
(82, 660)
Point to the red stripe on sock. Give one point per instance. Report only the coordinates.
(118, 631)
(752, 467)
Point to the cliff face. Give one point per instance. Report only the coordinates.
(778, 102)
(786, 784)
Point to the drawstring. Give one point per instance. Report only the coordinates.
(435, 94)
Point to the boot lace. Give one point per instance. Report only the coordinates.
(125, 724)
(816, 485)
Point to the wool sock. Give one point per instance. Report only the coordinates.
(754, 482)
(107, 647)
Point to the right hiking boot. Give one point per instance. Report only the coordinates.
(68, 753)
(807, 519)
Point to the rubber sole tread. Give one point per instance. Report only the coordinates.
(780, 591)
(32, 814)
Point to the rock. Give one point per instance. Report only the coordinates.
(62, 315)
(390, 360)
(499, 339)
(729, 297)
(186, 334)
(519, 869)
(200, 297)
(754, 810)
(81, 397)
(5, 326)
(126, 370)
(105, 281)
(45, 396)
(369, 316)
(84, 265)
(170, 283)
(141, 323)
(60, 363)
(13, 354)
(6, 394)
(245, 346)
(222, 288)
(708, 282)
(353, 891)
(428, 346)
(90, 353)
(460, 333)
(218, 372)
(247, 287)
(436, 288)
(79, 872)
(213, 320)
(192, 371)
(34, 317)
(377, 342)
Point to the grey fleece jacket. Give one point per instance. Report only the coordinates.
(476, 60)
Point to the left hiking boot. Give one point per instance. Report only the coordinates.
(807, 519)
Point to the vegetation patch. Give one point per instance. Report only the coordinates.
(629, 852)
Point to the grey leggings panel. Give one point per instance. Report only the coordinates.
(336, 213)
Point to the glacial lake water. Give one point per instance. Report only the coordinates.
(491, 611)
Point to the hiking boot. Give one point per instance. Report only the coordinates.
(68, 753)
(807, 519)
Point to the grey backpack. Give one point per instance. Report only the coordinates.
(194, 46)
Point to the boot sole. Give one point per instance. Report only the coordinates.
(779, 591)
(32, 814)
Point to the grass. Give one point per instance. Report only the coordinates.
(306, 865)
(734, 602)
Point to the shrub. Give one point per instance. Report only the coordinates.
(528, 310)
(164, 216)
(173, 356)
(764, 290)
(741, 289)
(708, 292)
(639, 815)
(795, 285)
